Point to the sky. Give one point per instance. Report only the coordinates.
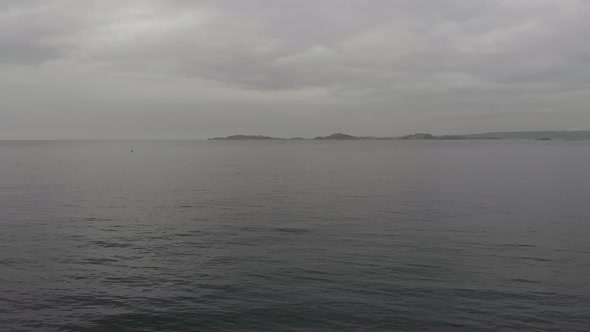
(192, 69)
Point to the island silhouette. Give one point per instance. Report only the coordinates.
(536, 135)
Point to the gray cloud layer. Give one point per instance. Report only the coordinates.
(192, 69)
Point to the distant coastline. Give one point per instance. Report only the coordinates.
(535, 135)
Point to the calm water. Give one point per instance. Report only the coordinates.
(291, 236)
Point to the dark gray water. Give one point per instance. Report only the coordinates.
(290, 236)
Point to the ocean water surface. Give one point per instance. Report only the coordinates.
(295, 236)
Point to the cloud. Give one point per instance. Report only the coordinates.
(414, 56)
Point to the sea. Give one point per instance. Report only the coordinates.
(467, 235)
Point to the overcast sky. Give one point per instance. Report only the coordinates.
(195, 69)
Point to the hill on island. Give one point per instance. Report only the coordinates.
(337, 136)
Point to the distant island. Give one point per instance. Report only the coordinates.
(535, 135)
(337, 136)
(243, 138)
(340, 136)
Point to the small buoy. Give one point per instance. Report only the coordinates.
(131, 151)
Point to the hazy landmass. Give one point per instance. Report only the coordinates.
(340, 136)
(244, 137)
(567, 135)
(537, 135)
